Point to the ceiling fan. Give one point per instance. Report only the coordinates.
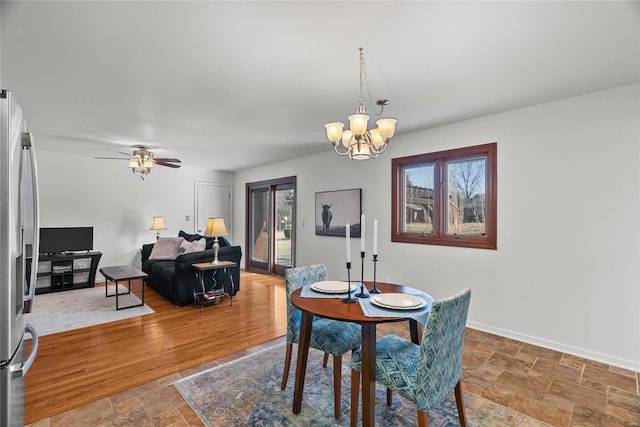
(142, 160)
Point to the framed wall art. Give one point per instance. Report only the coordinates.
(334, 209)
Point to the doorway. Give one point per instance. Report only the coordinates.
(212, 200)
(270, 228)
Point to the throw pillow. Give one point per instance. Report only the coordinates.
(187, 247)
(166, 248)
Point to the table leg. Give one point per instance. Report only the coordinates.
(233, 286)
(303, 352)
(416, 331)
(368, 345)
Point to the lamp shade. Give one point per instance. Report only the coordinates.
(387, 127)
(376, 139)
(215, 228)
(360, 151)
(157, 223)
(334, 131)
(358, 123)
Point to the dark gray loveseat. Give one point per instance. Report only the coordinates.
(175, 279)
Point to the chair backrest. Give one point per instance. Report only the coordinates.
(440, 363)
(295, 278)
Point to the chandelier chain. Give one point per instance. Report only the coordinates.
(364, 84)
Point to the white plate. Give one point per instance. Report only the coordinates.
(398, 301)
(332, 287)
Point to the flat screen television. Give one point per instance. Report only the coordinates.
(65, 239)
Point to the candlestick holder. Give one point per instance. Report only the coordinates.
(349, 298)
(374, 290)
(361, 294)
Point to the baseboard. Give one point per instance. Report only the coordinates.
(564, 348)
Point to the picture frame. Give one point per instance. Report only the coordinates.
(334, 209)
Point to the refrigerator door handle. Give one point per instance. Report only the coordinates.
(27, 144)
(34, 350)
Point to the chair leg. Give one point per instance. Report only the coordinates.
(337, 384)
(460, 405)
(355, 392)
(389, 397)
(287, 365)
(423, 419)
(325, 360)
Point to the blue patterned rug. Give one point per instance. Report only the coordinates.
(246, 392)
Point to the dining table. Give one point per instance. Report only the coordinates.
(335, 308)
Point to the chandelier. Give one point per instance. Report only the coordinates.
(360, 143)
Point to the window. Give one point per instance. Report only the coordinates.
(446, 198)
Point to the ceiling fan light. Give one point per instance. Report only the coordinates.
(133, 163)
(148, 164)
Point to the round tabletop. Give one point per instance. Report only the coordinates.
(334, 308)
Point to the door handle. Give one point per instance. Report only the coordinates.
(27, 144)
(24, 368)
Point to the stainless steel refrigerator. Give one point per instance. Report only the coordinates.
(18, 239)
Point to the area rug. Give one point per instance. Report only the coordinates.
(246, 392)
(79, 308)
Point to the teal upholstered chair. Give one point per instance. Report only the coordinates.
(423, 373)
(331, 336)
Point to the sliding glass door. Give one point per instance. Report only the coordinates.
(271, 225)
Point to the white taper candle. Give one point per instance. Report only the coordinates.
(347, 230)
(362, 228)
(375, 236)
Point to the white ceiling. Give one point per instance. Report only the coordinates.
(230, 85)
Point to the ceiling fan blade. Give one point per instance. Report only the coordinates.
(163, 159)
(126, 154)
(170, 165)
(111, 158)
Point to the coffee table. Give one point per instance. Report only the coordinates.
(121, 273)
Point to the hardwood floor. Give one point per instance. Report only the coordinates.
(81, 366)
(121, 374)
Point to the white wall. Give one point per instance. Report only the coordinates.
(566, 272)
(104, 194)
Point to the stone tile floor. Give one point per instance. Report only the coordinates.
(557, 388)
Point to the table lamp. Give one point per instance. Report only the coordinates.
(215, 229)
(157, 223)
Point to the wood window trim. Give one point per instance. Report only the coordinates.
(487, 241)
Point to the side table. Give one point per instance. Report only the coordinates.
(201, 297)
(122, 273)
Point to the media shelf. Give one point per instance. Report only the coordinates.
(61, 272)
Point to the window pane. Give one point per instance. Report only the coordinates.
(467, 196)
(285, 230)
(418, 199)
(259, 220)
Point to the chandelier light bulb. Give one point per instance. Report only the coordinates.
(358, 123)
(334, 131)
(346, 138)
(387, 127)
(376, 138)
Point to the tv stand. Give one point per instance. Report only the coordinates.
(65, 271)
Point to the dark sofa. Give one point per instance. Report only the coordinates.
(175, 279)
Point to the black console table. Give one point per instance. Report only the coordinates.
(61, 272)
